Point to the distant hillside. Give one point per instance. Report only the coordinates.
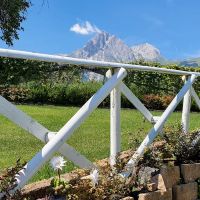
(193, 62)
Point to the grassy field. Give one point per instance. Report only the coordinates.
(91, 139)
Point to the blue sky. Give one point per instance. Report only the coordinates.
(59, 26)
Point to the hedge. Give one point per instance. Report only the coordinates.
(76, 95)
(27, 81)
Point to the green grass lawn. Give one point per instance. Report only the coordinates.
(91, 139)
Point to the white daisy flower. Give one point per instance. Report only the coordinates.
(94, 177)
(57, 163)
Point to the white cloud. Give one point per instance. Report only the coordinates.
(85, 28)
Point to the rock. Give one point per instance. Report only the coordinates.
(157, 195)
(185, 191)
(127, 198)
(146, 51)
(190, 172)
(107, 47)
(167, 178)
(115, 197)
(151, 187)
(145, 174)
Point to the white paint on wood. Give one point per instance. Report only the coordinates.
(155, 119)
(115, 123)
(85, 62)
(20, 118)
(10, 111)
(195, 96)
(71, 154)
(64, 133)
(157, 127)
(136, 102)
(186, 111)
(56, 142)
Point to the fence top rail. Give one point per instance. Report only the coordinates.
(87, 63)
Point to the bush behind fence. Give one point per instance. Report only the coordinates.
(76, 94)
(26, 81)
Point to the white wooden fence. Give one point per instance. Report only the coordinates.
(56, 142)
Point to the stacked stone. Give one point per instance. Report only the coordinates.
(174, 183)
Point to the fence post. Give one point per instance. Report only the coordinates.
(115, 126)
(186, 110)
(157, 127)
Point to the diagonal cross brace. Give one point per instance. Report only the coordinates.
(195, 96)
(136, 102)
(64, 133)
(157, 127)
(11, 112)
(186, 108)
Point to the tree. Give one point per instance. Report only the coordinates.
(12, 14)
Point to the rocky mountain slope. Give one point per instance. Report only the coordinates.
(107, 47)
(146, 51)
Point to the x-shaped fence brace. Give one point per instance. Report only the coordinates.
(56, 142)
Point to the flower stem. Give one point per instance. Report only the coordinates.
(59, 174)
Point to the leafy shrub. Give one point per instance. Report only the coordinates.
(8, 181)
(17, 71)
(184, 147)
(15, 93)
(77, 94)
(59, 187)
(173, 146)
(57, 94)
(39, 94)
(63, 94)
(159, 102)
(110, 186)
(153, 101)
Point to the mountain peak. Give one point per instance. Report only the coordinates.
(93, 46)
(146, 51)
(107, 47)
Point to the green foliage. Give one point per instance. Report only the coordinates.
(18, 71)
(153, 101)
(63, 94)
(173, 146)
(75, 94)
(15, 94)
(12, 14)
(60, 187)
(157, 83)
(95, 129)
(184, 147)
(42, 82)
